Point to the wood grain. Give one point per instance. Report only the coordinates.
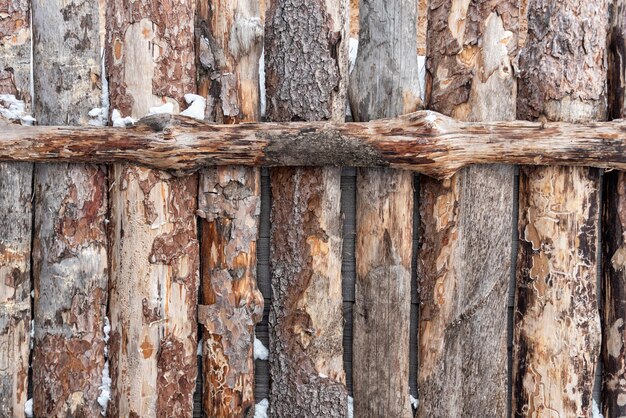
(384, 83)
(464, 259)
(557, 328)
(153, 230)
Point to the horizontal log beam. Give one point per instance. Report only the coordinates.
(426, 142)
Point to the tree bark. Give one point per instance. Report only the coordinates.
(614, 294)
(425, 142)
(229, 205)
(154, 245)
(15, 219)
(465, 257)
(306, 72)
(384, 212)
(557, 330)
(69, 247)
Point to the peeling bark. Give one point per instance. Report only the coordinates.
(464, 262)
(154, 246)
(229, 47)
(69, 247)
(557, 330)
(306, 66)
(614, 334)
(384, 83)
(15, 219)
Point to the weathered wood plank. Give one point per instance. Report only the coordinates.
(154, 246)
(15, 219)
(306, 75)
(231, 32)
(557, 329)
(465, 257)
(384, 83)
(425, 142)
(69, 247)
(614, 238)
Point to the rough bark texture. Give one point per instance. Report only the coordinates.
(229, 47)
(465, 257)
(154, 246)
(426, 142)
(69, 247)
(388, 56)
(557, 330)
(15, 39)
(306, 74)
(15, 219)
(614, 260)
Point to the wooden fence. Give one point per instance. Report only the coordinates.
(241, 291)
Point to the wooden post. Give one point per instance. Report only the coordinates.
(229, 203)
(69, 247)
(306, 72)
(465, 258)
(384, 83)
(557, 330)
(614, 292)
(154, 246)
(15, 221)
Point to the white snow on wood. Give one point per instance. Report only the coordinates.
(199, 351)
(28, 408)
(262, 82)
(13, 109)
(350, 407)
(595, 410)
(260, 351)
(414, 402)
(353, 48)
(105, 388)
(421, 74)
(166, 108)
(197, 106)
(260, 409)
(119, 121)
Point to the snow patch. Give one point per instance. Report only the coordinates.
(595, 410)
(166, 108)
(119, 121)
(32, 333)
(350, 407)
(13, 109)
(197, 106)
(28, 408)
(199, 350)
(414, 402)
(260, 351)
(421, 74)
(105, 387)
(260, 409)
(430, 117)
(262, 82)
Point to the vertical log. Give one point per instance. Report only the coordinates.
(15, 219)
(231, 33)
(614, 332)
(465, 257)
(306, 72)
(154, 246)
(384, 83)
(557, 330)
(69, 247)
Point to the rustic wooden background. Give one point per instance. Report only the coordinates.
(126, 291)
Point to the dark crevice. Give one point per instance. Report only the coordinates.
(597, 384)
(413, 324)
(32, 285)
(512, 289)
(197, 395)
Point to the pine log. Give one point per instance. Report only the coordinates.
(465, 257)
(15, 219)
(306, 73)
(425, 142)
(557, 327)
(154, 244)
(384, 83)
(228, 204)
(69, 246)
(614, 280)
